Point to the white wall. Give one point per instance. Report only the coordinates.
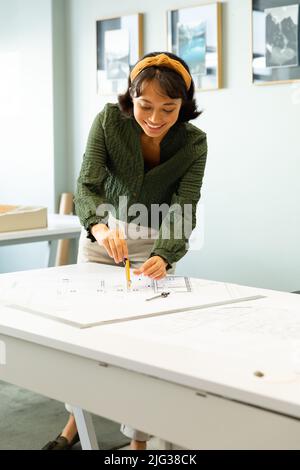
(26, 116)
(48, 101)
(60, 86)
(251, 192)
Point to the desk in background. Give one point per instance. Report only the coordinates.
(59, 227)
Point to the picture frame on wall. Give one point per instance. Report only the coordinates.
(275, 41)
(195, 35)
(119, 46)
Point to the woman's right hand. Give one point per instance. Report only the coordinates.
(112, 240)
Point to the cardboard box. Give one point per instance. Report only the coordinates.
(22, 218)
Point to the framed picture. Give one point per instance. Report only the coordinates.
(195, 35)
(275, 41)
(119, 47)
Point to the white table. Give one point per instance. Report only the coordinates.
(59, 227)
(198, 398)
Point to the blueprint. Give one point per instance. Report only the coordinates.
(91, 300)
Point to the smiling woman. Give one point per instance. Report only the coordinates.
(154, 111)
(172, 76)
(160, 93)
(145, 151)
(156, 114)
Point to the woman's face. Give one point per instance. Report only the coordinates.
(155, 112)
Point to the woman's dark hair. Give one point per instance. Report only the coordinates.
(171, 83)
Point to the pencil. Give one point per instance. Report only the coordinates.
(127, 270)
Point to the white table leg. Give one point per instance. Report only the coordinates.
(86, 429)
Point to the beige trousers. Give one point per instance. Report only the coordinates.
(139, 251)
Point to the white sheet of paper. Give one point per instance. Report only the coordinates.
(92, 300)
(252, 334)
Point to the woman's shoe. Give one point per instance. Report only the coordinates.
(61, 443)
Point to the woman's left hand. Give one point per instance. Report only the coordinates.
(154, 267)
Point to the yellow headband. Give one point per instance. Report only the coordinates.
(165, 61)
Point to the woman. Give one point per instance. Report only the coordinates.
(141, 151)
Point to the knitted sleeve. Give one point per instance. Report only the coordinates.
(177, 226)
(90, 184)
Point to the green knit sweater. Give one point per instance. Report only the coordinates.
(113, 166)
